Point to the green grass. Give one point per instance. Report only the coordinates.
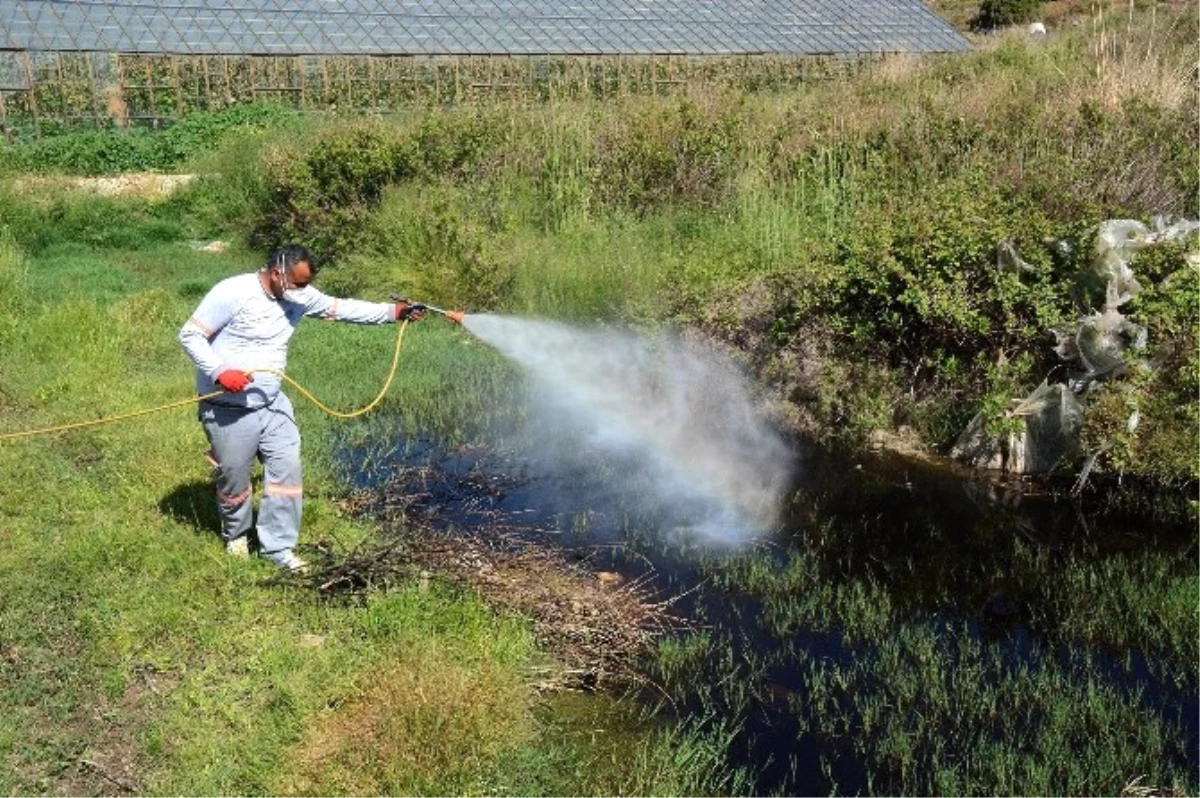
(134, 654)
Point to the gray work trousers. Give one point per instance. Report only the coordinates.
(238, 436)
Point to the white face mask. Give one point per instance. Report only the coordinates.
(285, 282)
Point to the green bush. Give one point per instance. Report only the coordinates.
(659, 156)
(924, 286)
(457, 145)
(199, 131)
(86, 153)
(997, 13)
(323, 194)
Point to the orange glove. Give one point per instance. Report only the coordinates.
(234, 380)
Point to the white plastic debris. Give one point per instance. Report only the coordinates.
(1106, 278)
(1101, 345)
(1008, 260)
(1047, 431)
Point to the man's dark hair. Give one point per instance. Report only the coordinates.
(289, 255)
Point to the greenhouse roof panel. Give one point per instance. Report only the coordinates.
(499, 27)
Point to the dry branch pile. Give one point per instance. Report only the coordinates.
(595, 623)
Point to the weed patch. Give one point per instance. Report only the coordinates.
(114, 151)
(377, 741)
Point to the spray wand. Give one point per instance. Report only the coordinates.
(455, 316)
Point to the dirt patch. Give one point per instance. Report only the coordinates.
(92, 750)
(593, 622)
(904, 441)
(114, 762)
(146, 185)
(110, 762)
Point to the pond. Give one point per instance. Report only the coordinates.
(899, 627)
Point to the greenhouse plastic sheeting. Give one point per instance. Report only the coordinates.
(478, 27)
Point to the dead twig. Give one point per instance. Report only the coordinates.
(96, 768)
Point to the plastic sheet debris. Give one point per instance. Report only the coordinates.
(1107, 278)
(1047, 431)
(1102, 344)
(1008, 260)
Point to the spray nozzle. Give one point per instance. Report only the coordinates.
(455, 316)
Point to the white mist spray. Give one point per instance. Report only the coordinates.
(681, 409)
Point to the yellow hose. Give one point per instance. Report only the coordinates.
(193, 400)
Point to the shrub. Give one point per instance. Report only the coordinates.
(662, 156)
(107, 152)
(87, 153)
(998, 13)
(199, 131)
(1129, 162)
(925, 286)
(323, 195)
(456, 145)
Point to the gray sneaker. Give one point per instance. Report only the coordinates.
(238, 547)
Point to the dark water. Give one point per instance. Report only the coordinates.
(949, 550)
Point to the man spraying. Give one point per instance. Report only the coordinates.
(245, 322)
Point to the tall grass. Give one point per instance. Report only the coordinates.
(1136, 60)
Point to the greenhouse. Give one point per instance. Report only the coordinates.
(120, 63)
